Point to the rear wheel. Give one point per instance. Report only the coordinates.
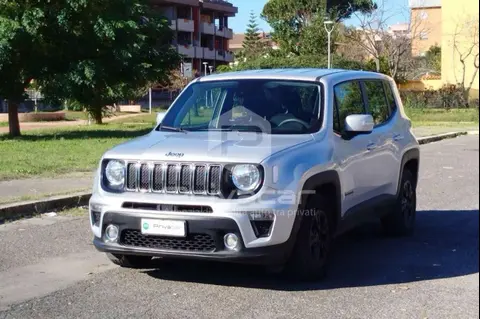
(312, 248)
(130, 261)
(401, 221)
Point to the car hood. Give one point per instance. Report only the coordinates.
(221, 147)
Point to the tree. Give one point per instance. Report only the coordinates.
(382, 43)
(25, 53)
(122, 48)
(434, 58)
(291, 19)
(92, 51)
(465, 43)
(252, 44)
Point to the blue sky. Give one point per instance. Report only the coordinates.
(239, 23)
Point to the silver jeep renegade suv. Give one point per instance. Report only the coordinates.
(264, 166)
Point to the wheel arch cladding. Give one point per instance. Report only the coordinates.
(328, 184)
(411, 162)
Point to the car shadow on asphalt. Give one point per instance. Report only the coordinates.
(445, 245)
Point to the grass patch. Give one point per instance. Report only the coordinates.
(442, 116)
(74, 212)
(10, 200)
(3, 124)
(56, 151)
(150, 119)
(50, 152)
(75, 115)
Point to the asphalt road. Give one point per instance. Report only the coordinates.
(49, 269)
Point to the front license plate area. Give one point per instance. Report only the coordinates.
(164, 227)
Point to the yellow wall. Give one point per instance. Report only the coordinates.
(429, 22)
(460, 19)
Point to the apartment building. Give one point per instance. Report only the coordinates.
(201, 30)
(426, 25)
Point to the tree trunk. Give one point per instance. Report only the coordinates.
(13, 123)
(377, 64)
(466, 97)
(97, 114)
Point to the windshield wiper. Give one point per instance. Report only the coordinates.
(172, 129)
(235, 128)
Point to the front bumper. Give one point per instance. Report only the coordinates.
(212, 249)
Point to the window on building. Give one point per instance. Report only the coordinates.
(423, 35)
(348, 100)
(423, 15)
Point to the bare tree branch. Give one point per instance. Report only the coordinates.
(465, 43)
(378, 40)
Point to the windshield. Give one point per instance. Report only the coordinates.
(267, 106)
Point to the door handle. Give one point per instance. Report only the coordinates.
(371, 146)
(397, 137)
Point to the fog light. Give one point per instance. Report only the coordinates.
(231, 241)
(111, 233)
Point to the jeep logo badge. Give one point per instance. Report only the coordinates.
(171, 154)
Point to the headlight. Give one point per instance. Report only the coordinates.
(246, 177)
(115, 174)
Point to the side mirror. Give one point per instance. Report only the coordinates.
(359, 124)
(160, 117)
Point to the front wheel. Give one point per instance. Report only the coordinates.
(401, 221)
(130, 261)
(312, 247)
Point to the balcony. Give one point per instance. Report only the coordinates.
(220, 55)
(228, 33)
(208, 54)
(185, 25)
(186, 50)
(208, 28)
(219, 32)
(199, 52)
(229, 56)
(220, 5)
(173, 25)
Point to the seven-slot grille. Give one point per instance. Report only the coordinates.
(173, 178)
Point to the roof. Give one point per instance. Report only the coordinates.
(299, 74)
(424, 3)
(237, 41)
(399, 27)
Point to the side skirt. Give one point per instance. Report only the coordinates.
(371, 210)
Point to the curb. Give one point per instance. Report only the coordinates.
(35, 207)
(436, 138)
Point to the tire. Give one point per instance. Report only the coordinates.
(130, 261)
(401, 221)
(310, 255)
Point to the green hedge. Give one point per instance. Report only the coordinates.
(446, 97)
(304, 61)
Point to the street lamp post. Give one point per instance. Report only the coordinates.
(210, 67)
(150, 100)
(329, 27)
(206, 93)
(206, 65)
